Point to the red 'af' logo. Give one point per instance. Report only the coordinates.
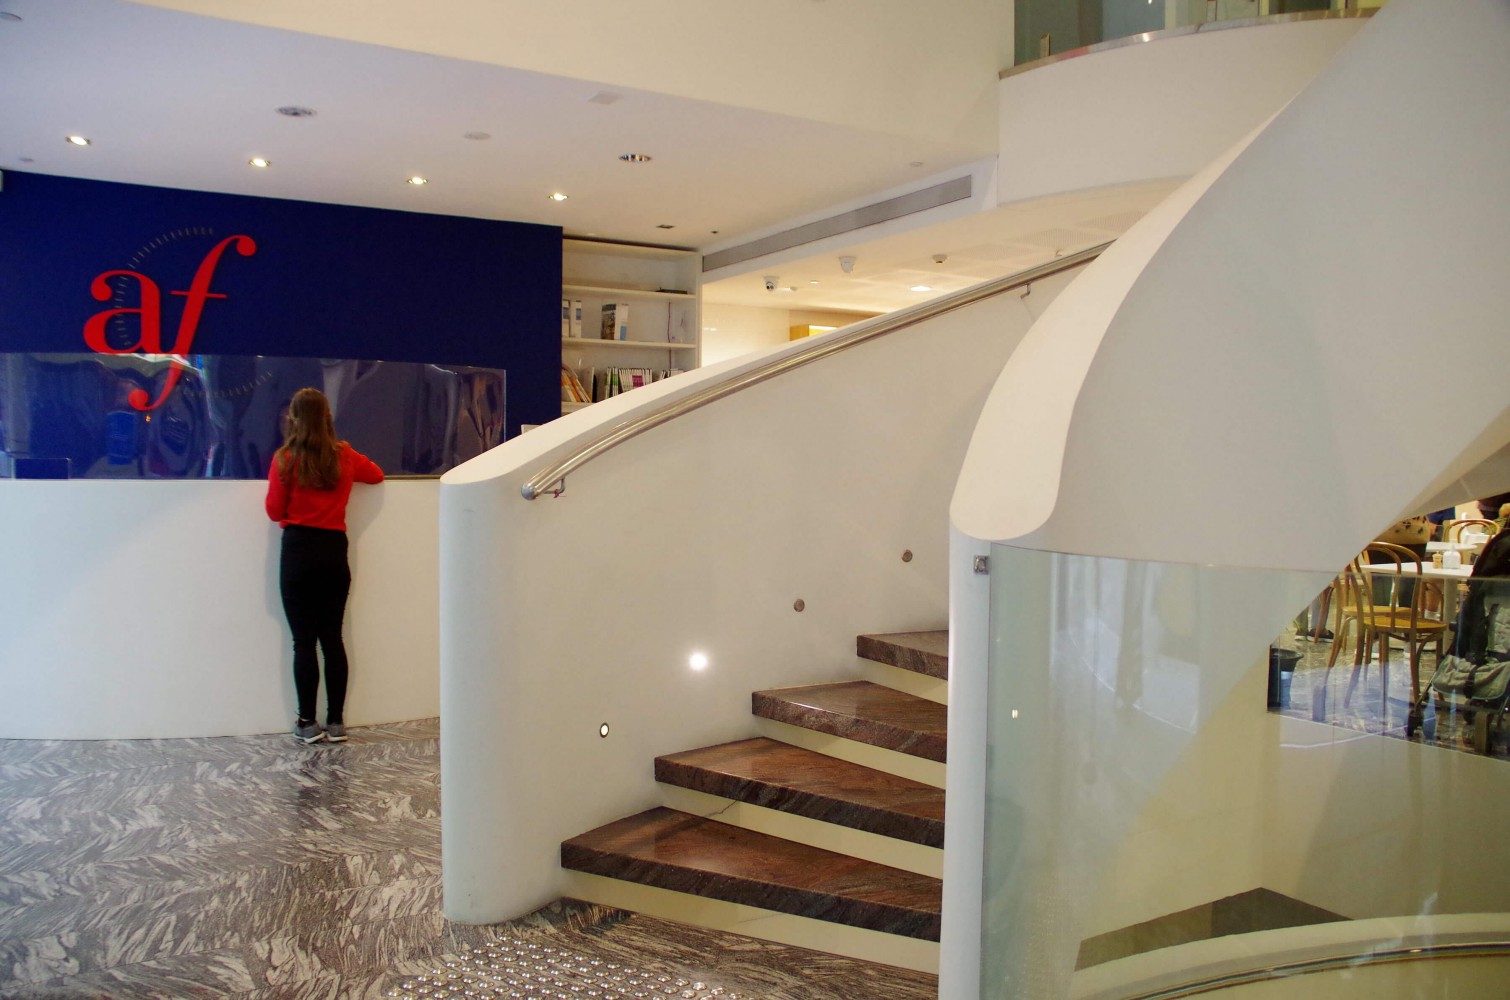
(149, 312)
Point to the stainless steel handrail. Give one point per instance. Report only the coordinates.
(552, 480)
(1409, 951)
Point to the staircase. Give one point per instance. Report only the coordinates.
(826, 830)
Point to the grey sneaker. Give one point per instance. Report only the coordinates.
(335, 732)
(308, 732)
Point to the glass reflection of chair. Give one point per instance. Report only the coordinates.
(1454, 530)
(1392, 612)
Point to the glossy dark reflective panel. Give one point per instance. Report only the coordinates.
(66, 416)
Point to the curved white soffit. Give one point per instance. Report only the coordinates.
(1313, 345)
(1010, 477)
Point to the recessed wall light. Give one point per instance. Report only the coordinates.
(634, 157)
(295, 111)
(260, 162)
(78, 140)
(419, 181)
(922, 288)
(477, 136)
(556, 196)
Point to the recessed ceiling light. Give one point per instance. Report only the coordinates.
(915, 163)
(813, 281)
(296, 111)
(922, 288)
(634, 157)
(665, 225)
(713, 232)
(78, 140)
(260, 162)
(477, 136)
(6, 15)
(419, 181)
(787, 288)
(604, 97)
(556, 196)
(26, 159)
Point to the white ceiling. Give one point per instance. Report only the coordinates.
(180, 100)
(979, 247)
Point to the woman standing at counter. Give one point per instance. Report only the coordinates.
(308, 485)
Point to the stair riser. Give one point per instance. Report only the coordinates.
(783, 928)
(918, 685)
(828, 836)
(905, 765)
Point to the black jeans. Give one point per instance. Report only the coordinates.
(314, 579)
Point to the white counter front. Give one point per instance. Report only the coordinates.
(137, 609)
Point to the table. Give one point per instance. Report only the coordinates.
(1431, 572)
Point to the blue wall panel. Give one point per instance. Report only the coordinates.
(325, 281)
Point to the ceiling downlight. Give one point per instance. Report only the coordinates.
(635, 157)
(78, 140)
(296, 111)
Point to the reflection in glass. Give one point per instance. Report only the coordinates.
(66, 416)
(1148, 815)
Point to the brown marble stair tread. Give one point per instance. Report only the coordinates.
(780, 776)
(684, 853)
(921, 652)
(861, 711)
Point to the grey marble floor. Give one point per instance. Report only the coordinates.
(258, 867)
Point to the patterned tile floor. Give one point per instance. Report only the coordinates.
(1366, 713)
(257, 867)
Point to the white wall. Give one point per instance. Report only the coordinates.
(563, 613)
(730, 331)
(1160, 109)
(136, 609)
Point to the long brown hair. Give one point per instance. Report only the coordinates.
(311, 452)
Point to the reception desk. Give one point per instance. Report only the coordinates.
(140, 609)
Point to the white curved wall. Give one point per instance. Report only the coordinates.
(1158, 109)
(1278, 353)
(150, 609)
(1256, 388)
(560, 614)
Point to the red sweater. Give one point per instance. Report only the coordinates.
(289, 503)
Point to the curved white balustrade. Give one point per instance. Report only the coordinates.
(562, 614)
(1296, 349)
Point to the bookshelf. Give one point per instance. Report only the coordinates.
(655, 286)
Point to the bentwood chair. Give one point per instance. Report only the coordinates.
(1454, 531)
(1401, 618)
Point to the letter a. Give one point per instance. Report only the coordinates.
(150, 313)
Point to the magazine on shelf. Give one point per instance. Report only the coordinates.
(615, 321)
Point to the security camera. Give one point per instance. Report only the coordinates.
(846, 264)
(770, 282)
